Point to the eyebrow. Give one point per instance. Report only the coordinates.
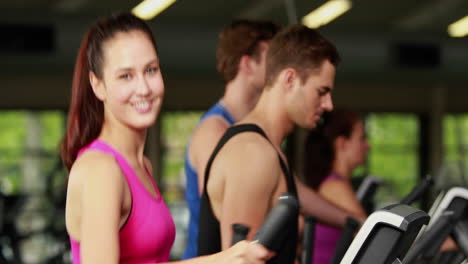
(155, 60)
(123, 69)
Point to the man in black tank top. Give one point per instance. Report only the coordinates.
(247, 171)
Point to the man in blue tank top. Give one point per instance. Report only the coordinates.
(240, 56)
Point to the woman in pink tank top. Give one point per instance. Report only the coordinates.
(114, 210)
(331, 153)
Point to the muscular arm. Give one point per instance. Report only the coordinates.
(313, 204)
(251, 177)
(202, 144)
(101, 204)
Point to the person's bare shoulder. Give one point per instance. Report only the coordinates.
(331, 187)
(95, 178)
(204, 139)
(95, 173)
(95, 165)
(210, 129)
(341, 193)
(253, 155)
(253, 142)
(333, 184)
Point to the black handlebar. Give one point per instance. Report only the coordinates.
(418, 191)
(285, 211)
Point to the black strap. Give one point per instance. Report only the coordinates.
(209, 240)
(234, 130)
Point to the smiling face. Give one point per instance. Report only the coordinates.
(132, 87)
(308, 100)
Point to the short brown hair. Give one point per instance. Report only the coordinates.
(241, 37)
(300, 48)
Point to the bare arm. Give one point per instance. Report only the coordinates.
(313, 204)
(251, 176)
(346, 198)
(202, 144)
(241, 253)
(101, 204)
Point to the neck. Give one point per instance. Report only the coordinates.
(271, 116)
(341, 168)
(129, 142)
(240, 98)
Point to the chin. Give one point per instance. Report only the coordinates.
(145, 120)
(143, 124)
(310, 125)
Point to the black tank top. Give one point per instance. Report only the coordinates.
(209, 237)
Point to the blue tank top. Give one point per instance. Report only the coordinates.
(191, 192)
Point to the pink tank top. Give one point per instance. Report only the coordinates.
(326, 237)
(148, 234)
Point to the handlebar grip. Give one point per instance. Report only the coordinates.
(277, 221)
(239, 233)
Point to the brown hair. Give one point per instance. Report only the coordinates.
(319, 152)
(300, 48)
(86, 114)
(241, 37)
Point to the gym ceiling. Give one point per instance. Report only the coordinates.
(397, 55)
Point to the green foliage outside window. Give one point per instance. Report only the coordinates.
(176, 128)
(455, 162)
(393, 154)
(13, 144)
(12, 134)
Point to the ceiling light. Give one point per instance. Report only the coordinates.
(326, 13)
(459, 28)
(150, 8)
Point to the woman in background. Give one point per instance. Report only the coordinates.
(332, 152)
(114, 210)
